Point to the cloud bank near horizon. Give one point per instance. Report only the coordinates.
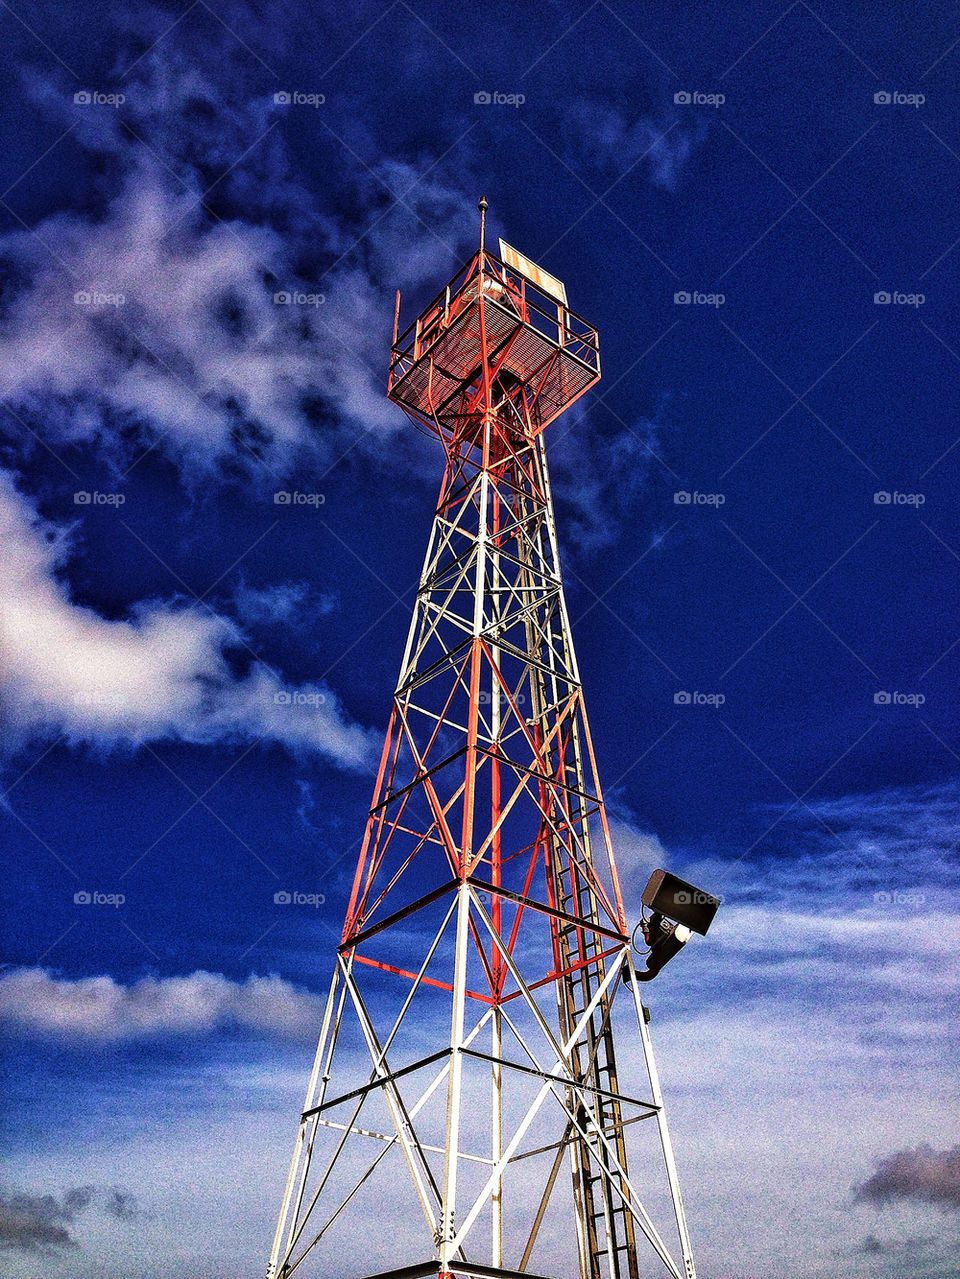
(103, 1010)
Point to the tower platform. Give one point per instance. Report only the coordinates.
(526, 333)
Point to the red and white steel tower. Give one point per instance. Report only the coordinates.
(467, 1047)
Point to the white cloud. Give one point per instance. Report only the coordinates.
(616, 143)
(161, 673)
(198, 356)
(800, 1042)
(285, 603)
(199, 359)
(600, 479)
(200, 362)
(861, 925)
(102, 1009)
(637, 854)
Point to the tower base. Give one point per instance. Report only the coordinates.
(467, 1269)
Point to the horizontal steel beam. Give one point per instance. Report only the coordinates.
(557, 1145)
(376, 1083)
(588, 926)
(382, 1136)
(421, 777)
(558, 1079)
(357, 938)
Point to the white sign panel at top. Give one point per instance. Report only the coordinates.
(535, 274)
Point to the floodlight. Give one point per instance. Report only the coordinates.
(667, 895)
(678, 911)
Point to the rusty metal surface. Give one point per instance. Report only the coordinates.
(542, 279)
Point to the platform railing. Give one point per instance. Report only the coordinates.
(556, 323)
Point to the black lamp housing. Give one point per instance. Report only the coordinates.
(665, 894)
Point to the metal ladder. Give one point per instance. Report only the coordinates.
(609, 1227)
(607, 1234)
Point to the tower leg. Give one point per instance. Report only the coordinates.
(300, 1161)
(446, 1243)
(496, 1143)
(665, 1142)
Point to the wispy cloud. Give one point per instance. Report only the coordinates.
(600, 479)
(147, 317)
(285, 604)
(864, 908)
(100, 1009)
(778, 1017)
(819, 991)
(160, 673)
(178, 340)
(609, 138)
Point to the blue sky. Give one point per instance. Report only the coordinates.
(196, 679)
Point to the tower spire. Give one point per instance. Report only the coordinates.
(482, 206)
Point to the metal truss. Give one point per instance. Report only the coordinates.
(485, 938)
